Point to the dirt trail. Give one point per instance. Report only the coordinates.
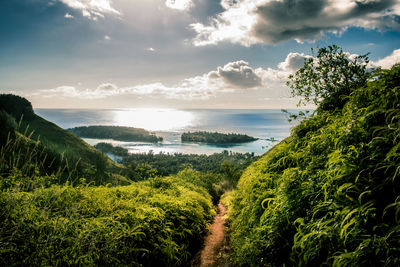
(214, 241)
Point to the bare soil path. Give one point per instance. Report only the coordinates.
(214, 241)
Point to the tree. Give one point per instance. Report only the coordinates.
(329, 78)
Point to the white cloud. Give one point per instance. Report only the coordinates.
(68, 16)
(92, 9)
(236, 75)
(179, 4)
(232, 81)
(106, 37)
(151, 49)
(249, 22)
(293, 62)
(233, 76)
(389, 61)
(102, 91)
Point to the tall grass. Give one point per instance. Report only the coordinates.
(329, 194)
(26, 164)
(159, 222)
(48, 219)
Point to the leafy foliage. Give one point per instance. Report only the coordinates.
(109, 148)
(329, 194)
(221, 171)
(329, 78)
(120, 133)
(166, 164)
(159, 222)
(216, 138)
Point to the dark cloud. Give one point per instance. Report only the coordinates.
(249, 22)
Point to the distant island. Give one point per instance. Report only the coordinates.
(216, 138)
(119, 133)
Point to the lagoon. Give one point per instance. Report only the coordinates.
(171, 123)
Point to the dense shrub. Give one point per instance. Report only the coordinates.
(329, 194)
(159, 222)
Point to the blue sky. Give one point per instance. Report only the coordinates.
(182, 53)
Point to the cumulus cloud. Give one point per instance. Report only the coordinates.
(237, 75)
(179, 4)
(92, 9)
(233, 76)
(250, 22)
(293, 62)
(389, 61)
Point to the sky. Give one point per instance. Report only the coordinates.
(234, 54)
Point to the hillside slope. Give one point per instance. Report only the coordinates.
(61, 143)
(330, 193)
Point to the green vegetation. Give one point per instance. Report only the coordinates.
(58, 147)
(110, 149)
(328, 79)
(167, 164)
(329, 194)
(50, 215)
(216, 138)
(160, 222)
(222, 170)
(120, 133)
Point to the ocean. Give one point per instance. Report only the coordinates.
(171, 123)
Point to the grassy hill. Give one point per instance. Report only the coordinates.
(330, 193)
(46, 220)
(59, 143)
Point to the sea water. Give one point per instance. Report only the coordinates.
(171, 123)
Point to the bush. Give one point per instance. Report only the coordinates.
(160, 222)
(328, 194)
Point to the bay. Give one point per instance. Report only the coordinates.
(171, 123)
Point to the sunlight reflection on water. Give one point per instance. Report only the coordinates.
(154, 119)
(171, 123)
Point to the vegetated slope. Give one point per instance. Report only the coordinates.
(330, 193)
(45, 221)
(216, 138)
(57, 142)
(159, 222)
(222, 170)
(120, 133)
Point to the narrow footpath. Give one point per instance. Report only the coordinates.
(210, 254)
